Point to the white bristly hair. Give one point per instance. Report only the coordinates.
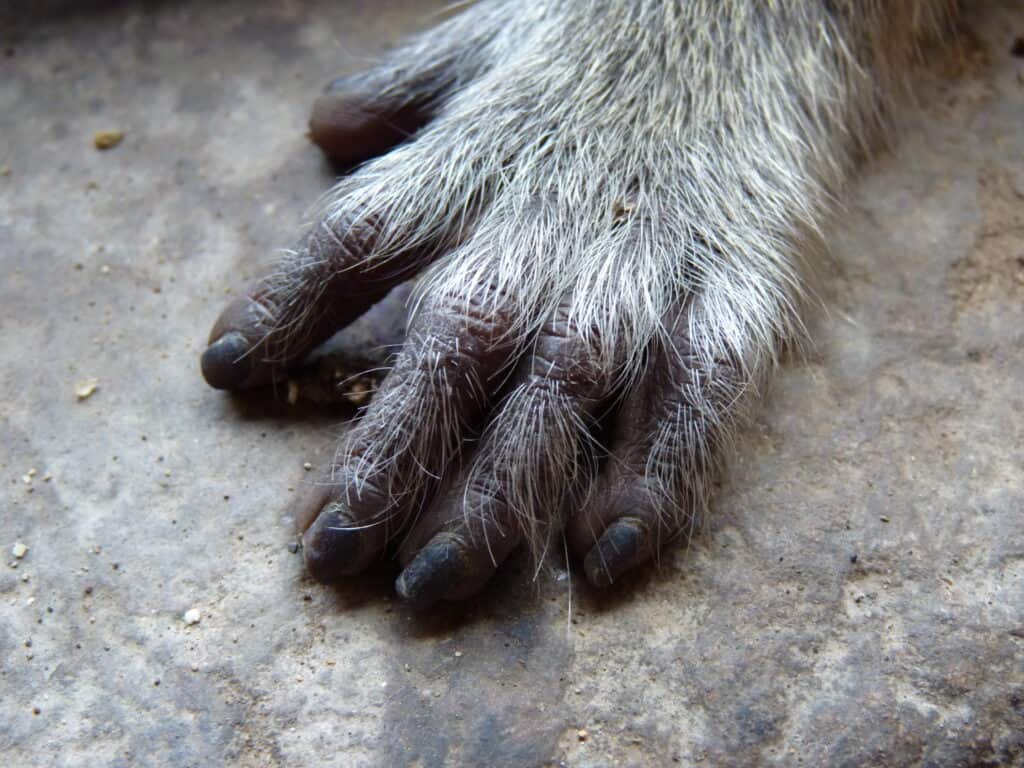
(617, 158)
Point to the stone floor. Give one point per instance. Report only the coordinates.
(858, 598)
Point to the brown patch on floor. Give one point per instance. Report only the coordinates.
(994, 268)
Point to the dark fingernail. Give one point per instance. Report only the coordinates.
(331, 546)
(431, 575)
(226, 363)
(614, 554)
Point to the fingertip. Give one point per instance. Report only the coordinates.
(226, 363)
(331, 547)
(436, 570)
(346, 130)
(351, 122)
(618, 550)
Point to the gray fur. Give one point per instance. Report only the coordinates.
(617, 158)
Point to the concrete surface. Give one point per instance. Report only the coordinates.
(859, 596)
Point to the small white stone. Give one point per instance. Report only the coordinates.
(85, 389)
(192, 616)
(19, 550)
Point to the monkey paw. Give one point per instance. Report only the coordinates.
(602, 255)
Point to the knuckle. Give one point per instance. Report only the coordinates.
(339, 244)
(464, 330)
(480, 311)
(566, 356)
(439, 362)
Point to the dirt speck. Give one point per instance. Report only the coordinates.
(107, 139)
(86, 389)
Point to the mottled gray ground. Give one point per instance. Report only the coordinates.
(857, 600)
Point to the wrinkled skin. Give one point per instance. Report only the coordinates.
(524, 403)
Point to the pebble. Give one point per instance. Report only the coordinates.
(307, 466)
(86, 389)
(192, 616)
(107, 139)
(19, 550)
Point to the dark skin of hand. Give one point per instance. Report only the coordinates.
(445, 553)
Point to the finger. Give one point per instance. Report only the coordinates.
(533, 455)
(390, 463)
(355, 120)
(455, 547)
(319, 288)
(361, 116)
(665, 442)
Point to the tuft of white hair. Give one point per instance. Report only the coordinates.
(614, 159)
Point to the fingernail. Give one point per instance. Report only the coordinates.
(614, 554)
(331, 546)
(225, 363)
(432, 574)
